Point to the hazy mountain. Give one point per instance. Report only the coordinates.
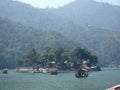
(27, 15)
(81, 21)
(82, 12)
(92, 13)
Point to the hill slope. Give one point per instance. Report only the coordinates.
(16, 38)
(27, 15)
(90, 12)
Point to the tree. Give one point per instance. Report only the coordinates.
(62, 56)
(28, 59)
(79, 55)
(93, 59)
(46, 55)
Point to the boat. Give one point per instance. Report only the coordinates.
(116, 87)
(95, 68)
(81, 73)
(53, 71)
(5, 71)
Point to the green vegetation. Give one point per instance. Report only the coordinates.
(62, 57)
(28, 59)
(16, 39)
(27, 27)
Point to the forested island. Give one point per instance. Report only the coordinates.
(60, 58)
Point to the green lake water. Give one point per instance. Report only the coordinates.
(63, 81)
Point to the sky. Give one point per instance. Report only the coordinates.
(59, 3)
(113, 2)
(46, 3)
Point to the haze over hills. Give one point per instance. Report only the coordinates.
(85, 12)
(79, 22)
(26, 14)
(91, 13)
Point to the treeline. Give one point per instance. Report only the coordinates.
(61, 57)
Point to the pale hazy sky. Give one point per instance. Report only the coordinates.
(114, 2)
(59, 3)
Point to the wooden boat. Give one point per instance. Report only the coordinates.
(5, 71)
(116, 87)
(95, 68)
(54, 73)
(81, 73)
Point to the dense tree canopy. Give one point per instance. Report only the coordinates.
(60, 56)
(29, 58)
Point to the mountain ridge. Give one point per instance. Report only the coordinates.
(91, 12)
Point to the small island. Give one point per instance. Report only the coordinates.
(55, 60)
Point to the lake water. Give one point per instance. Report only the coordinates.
(63, 81)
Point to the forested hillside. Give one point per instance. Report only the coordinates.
(83, 21)
(15, 39)
(104, 42)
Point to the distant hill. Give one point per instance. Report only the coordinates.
(28, 15)
(92, 13)
(82, 12)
